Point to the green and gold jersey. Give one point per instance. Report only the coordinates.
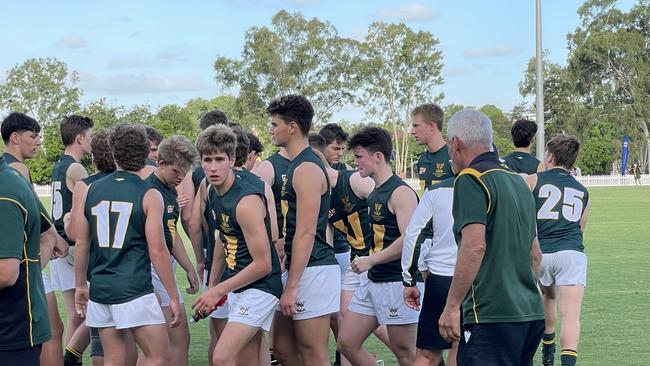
(238, 256)
(322, 254)
(61, 195)
(433, 167)
(340, 166)
(198, 174)
(349, 215)
(521, 162)
(172, 211)
(252, 179)
(24, 320)
(385, 231)
(561, 201)
(45, 218)
(94, 178)
(505, 288)
(280, 166)
(119, 268)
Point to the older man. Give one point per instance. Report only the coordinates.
(498, 256)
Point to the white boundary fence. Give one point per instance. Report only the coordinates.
(586, 180)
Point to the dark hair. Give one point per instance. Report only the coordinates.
(564, 149)
(153, 135)
(333, 132)
(18, 122)
(130, 146)
(102, 151)
(254, 144)
(317, 142)
(214, 117)
(523, 132)
(241, 150)
(373, 139)
(294, 108)
(74, 125)
(217, 138)
(432, 113)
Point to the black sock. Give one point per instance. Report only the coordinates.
(569, 357)
(337, 358)
(548, 343)
(71, 356)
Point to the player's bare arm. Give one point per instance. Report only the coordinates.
(309, 189)
(180, 254)
(265, 171)
(153, 209)
(82, 249)
(195, 223)
(361, 186)
(75, 173)
(536, 257)
(270, 208)
(78, 194)
(584, 218)
(402, 203)
(186, 188)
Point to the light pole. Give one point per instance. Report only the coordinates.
(539, 89)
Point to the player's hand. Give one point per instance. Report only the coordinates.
(449, 324)
(193, 281)
(208, 302)
(361, 264)
(60, 249)
(412, 297)
(81, 300)
(288, 301)
(182, 200)
(177, 312)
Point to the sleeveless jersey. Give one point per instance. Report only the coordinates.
(349, 215)
(171, 210)
(340, 166)
(94, 178)
(232, 237)
(385, 231)
(119, 268)
(521, 162)
(560, 201)
(197, 177)
(322, 253)
(61, 195)
(252, 179)
(433, 167)
(280, 166)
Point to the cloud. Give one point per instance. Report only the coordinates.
(3, 75)
(173, 53)
(123, 19)
(303, 3)
(415, 12)
(128, 84)
(72, 42)
(495, 51)
(135, 62)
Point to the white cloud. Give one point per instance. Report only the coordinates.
(415, 12)
(123, 84)
(301, 3)
(72, 42)
(495, 51)
(128, 62)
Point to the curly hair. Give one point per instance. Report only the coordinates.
(153, 135)
(294, 108)
(373, 139)
(130, 146)
(254, 143)
(215, 139)
(101, 150)
(178, 151)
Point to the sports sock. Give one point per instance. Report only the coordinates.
(337, 359)
(71, 356)
(548, 349)
(569, 357)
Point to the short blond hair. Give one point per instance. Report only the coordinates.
(217, 138)
(178, 151)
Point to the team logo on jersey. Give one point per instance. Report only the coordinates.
(392, 312)
(422, 170)
(225, 225)
(331, 213)
(376, 214)
(300, 306)
(440, 169)
(347, 206)
(243, 310)
(283, 191)
(170, 209)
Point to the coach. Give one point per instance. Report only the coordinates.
(498, 256)
(24, 323)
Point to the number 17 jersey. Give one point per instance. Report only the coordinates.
(560, 202)
(119, 268)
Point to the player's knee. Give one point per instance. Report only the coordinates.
(223, 359)
(345, 344)
(402, 349)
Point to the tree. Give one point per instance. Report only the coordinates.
(401, 69)
(43, 88)
(172, 119)
(500, 128)
(294, 56)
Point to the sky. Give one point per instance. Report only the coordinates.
(162, 52)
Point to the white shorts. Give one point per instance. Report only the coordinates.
(319, 291)
(351, 280)
(160, 288)
(62, 275)
(220, 312)
(252, 307)
(47, 284)
(344, 261)
(564, 268)
(144, 310)
(384, 301)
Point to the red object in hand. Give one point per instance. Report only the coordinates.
(198, 316)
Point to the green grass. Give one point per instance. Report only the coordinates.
(614, 314)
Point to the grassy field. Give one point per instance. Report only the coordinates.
(615, 321)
